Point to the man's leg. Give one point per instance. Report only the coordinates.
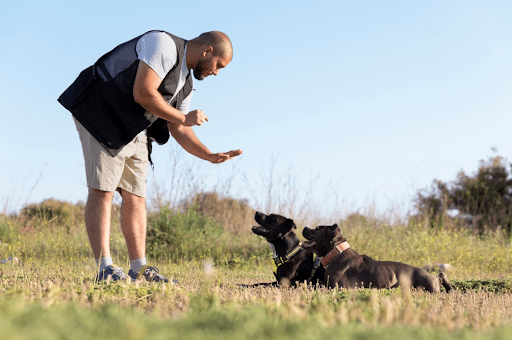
(103, 172)
(97, 221)
(133, 224)
(133, 211)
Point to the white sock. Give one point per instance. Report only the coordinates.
(136, 265)
(104, 263)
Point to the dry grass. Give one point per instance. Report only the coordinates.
(200, 290)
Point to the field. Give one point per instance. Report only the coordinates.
(47, 287)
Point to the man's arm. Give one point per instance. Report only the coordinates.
(188, 140)
(145, 93)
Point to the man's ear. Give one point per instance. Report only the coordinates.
(207, 51)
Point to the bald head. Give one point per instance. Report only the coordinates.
(219, 41)
(209, 53)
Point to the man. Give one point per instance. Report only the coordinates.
(135, 94)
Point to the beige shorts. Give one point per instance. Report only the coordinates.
(128, 170)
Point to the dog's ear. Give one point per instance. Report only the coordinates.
(286, 227)
(336, 236)
(289, 224)
(338, 228)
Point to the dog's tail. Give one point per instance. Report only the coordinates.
(443, 280)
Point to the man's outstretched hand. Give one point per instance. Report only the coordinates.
(222, 157)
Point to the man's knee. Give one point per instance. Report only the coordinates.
(99, 195)
(132, 199)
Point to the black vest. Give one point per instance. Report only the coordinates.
(101, 98)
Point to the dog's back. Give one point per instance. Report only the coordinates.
(349, 269)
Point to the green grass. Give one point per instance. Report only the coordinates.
(41, 300)
(50, 292)
(471, 256)
(251, 322)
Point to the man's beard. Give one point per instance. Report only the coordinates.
(199, 69)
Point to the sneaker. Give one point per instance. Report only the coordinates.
(149, 274)
(111, 272)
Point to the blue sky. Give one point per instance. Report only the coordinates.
(371, 99)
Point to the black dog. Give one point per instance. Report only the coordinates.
(294, 264)
(346, 268)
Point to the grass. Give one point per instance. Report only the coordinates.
(50, 292)
(470, 255)
(43, 300)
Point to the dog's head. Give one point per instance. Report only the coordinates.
(273, 227)
(322, 239)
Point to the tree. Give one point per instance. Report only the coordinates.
(484, 199)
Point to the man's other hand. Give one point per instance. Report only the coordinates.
(196, 117)
(222, 157)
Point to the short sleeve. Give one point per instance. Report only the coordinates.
(185, 104)
(158, 50)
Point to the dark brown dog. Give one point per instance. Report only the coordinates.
(294, 264)
(344, 267)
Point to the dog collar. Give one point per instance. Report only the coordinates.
(282, 260)
(338, 249)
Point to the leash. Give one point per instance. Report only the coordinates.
(316, 265)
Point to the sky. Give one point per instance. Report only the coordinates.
(350, 104)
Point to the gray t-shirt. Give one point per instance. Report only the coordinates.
(158, 50)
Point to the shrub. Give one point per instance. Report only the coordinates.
(55, 211)
(190, 235)
(483, 201)
(234, 215)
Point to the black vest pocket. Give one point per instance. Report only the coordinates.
(117, 94)
(76, 92)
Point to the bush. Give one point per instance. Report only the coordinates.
(55, 211)
(190, 235)
(483, 201)
(234, 215)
